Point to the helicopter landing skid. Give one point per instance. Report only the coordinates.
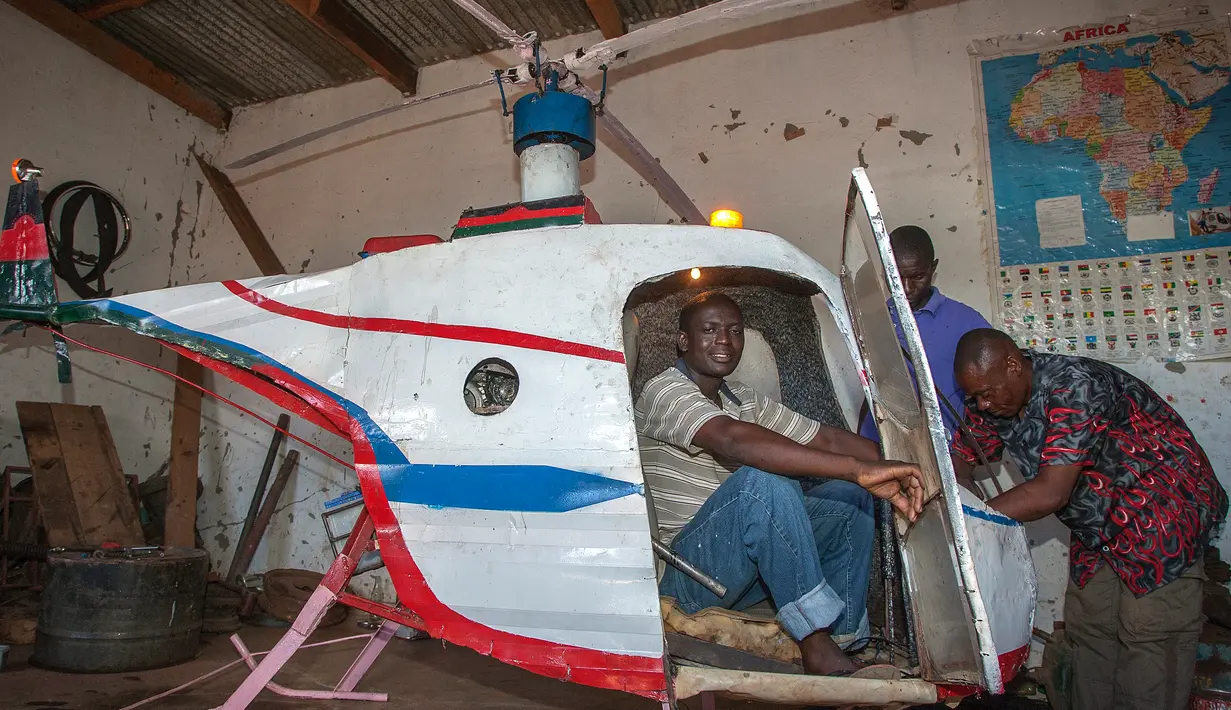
(328, 593)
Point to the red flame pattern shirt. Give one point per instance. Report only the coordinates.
(1147, 500)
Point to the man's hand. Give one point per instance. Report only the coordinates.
(897, 482)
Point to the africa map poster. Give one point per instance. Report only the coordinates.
(1108, 170)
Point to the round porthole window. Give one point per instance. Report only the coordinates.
(490, 387)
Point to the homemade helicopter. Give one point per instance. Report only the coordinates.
(500, 531)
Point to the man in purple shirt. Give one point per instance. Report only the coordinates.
(942, 321)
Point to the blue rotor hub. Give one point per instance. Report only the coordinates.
(554, 117)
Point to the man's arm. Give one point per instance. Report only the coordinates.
(1076, 412)
(1039, 497)
(756, 446)
(841, 441)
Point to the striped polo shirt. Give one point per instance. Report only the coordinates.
(668, 414)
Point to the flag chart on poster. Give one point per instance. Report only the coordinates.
(1107, 163)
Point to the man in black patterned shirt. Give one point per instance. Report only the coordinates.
(1122, 470)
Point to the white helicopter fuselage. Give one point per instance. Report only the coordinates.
(525, 534)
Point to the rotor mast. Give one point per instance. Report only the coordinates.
(553, 131)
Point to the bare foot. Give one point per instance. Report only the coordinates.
(821, 656)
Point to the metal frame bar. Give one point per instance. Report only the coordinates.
(305, 694)
(328, 593)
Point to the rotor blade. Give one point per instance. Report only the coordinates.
(605, 52)
(328, 130)
(645, 163)
(493, 23)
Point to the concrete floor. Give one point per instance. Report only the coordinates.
(415, 674)
(424, 674)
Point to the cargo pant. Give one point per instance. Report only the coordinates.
(1132, 653)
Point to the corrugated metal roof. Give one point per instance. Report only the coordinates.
(431, 31)
(634, 11)
(236, 52)
(239, 52)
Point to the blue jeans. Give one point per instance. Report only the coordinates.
(763, 537)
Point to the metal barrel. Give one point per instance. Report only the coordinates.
(116, 614)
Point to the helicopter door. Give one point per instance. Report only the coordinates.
(951, 621)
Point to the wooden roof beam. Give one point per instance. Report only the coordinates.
(607, 14)
(241, 218)
(350, 30)
(102, 8)
(80, 32)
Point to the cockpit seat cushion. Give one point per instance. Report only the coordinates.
(756, 634)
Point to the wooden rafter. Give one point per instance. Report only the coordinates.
(608, 17)
(245, 224)
(72, 27)
(102, 8)
(350, 30)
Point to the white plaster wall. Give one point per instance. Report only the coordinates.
(832, 72)
(80, 119)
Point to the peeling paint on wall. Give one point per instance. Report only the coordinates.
(916, 137)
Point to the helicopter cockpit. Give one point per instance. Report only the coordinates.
(793, 354)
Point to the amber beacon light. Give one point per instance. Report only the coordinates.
(726, 218)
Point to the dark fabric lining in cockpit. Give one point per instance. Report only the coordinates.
(788, 324)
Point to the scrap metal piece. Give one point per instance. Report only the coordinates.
(252, 540)
(262, 481)
(668, 555)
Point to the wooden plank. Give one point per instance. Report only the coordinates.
(72, 27)
(103, 8)
(105, 509)
(181, 518)
(131, 489)
(712, 654)
(55, 498)
(349, 29)
(608, 17)
(245, 224)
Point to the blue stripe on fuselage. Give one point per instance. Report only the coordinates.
(990, 517)
(522, 488)
(540, 489)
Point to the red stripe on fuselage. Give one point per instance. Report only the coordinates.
(304, 403)
(632, 674)
(1010, 663)
(469, 333)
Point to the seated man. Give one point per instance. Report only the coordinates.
(941, 320)
(722, 461)
(1122, 470)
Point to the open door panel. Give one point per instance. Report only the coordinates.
(972, 611)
